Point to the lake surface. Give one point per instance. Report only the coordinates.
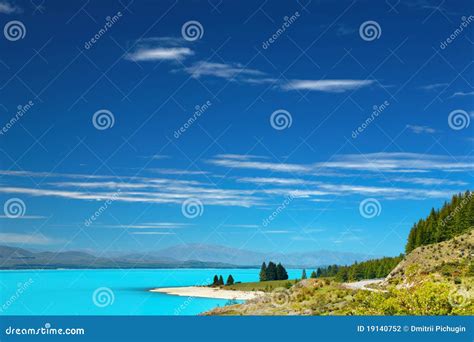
(110, 292)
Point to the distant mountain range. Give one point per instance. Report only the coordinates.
(181, 256)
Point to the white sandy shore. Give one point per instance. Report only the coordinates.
(208, 292)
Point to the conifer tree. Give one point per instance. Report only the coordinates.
(230, 280)
(263, 272)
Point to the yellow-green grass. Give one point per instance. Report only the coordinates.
(266, 286)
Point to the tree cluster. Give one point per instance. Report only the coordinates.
(219, 280)
(454, 218)
(273, 272)
(370, 269)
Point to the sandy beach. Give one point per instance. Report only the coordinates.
(208, 292)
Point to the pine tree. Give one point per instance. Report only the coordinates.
(221, 280)
(281, 272)
(230, 280)
(313, 275)
(271, 271)
(263, 272)
(303, 274)
(216, 281)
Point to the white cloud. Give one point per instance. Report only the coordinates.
(28, 239)
(421, 129)
(434, 86)
(329, 86)
(462, 93)
(229, 71)
(159, 53)
(7, 8)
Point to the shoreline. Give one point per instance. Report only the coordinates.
(207, 292)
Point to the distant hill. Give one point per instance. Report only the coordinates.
(18, 258)
(181, 256)
(207, 253)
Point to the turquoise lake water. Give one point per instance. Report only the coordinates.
(110, 292)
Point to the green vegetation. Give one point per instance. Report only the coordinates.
(370, 269)
(266, 286)
(219, 280)
(303, 275)
(230, 280)
(273, 272)
(436, 277)
(451, 220)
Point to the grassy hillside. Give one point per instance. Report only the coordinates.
(452, 259)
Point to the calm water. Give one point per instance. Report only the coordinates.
(117, 292)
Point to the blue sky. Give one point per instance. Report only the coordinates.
(193, 122)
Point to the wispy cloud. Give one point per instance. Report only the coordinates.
(159, 53)
(159, 49)
(421, 129)
(434, 86)
(27, 239)
(228, 71)
(462, 94)
(8, 8)
(329, 86)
